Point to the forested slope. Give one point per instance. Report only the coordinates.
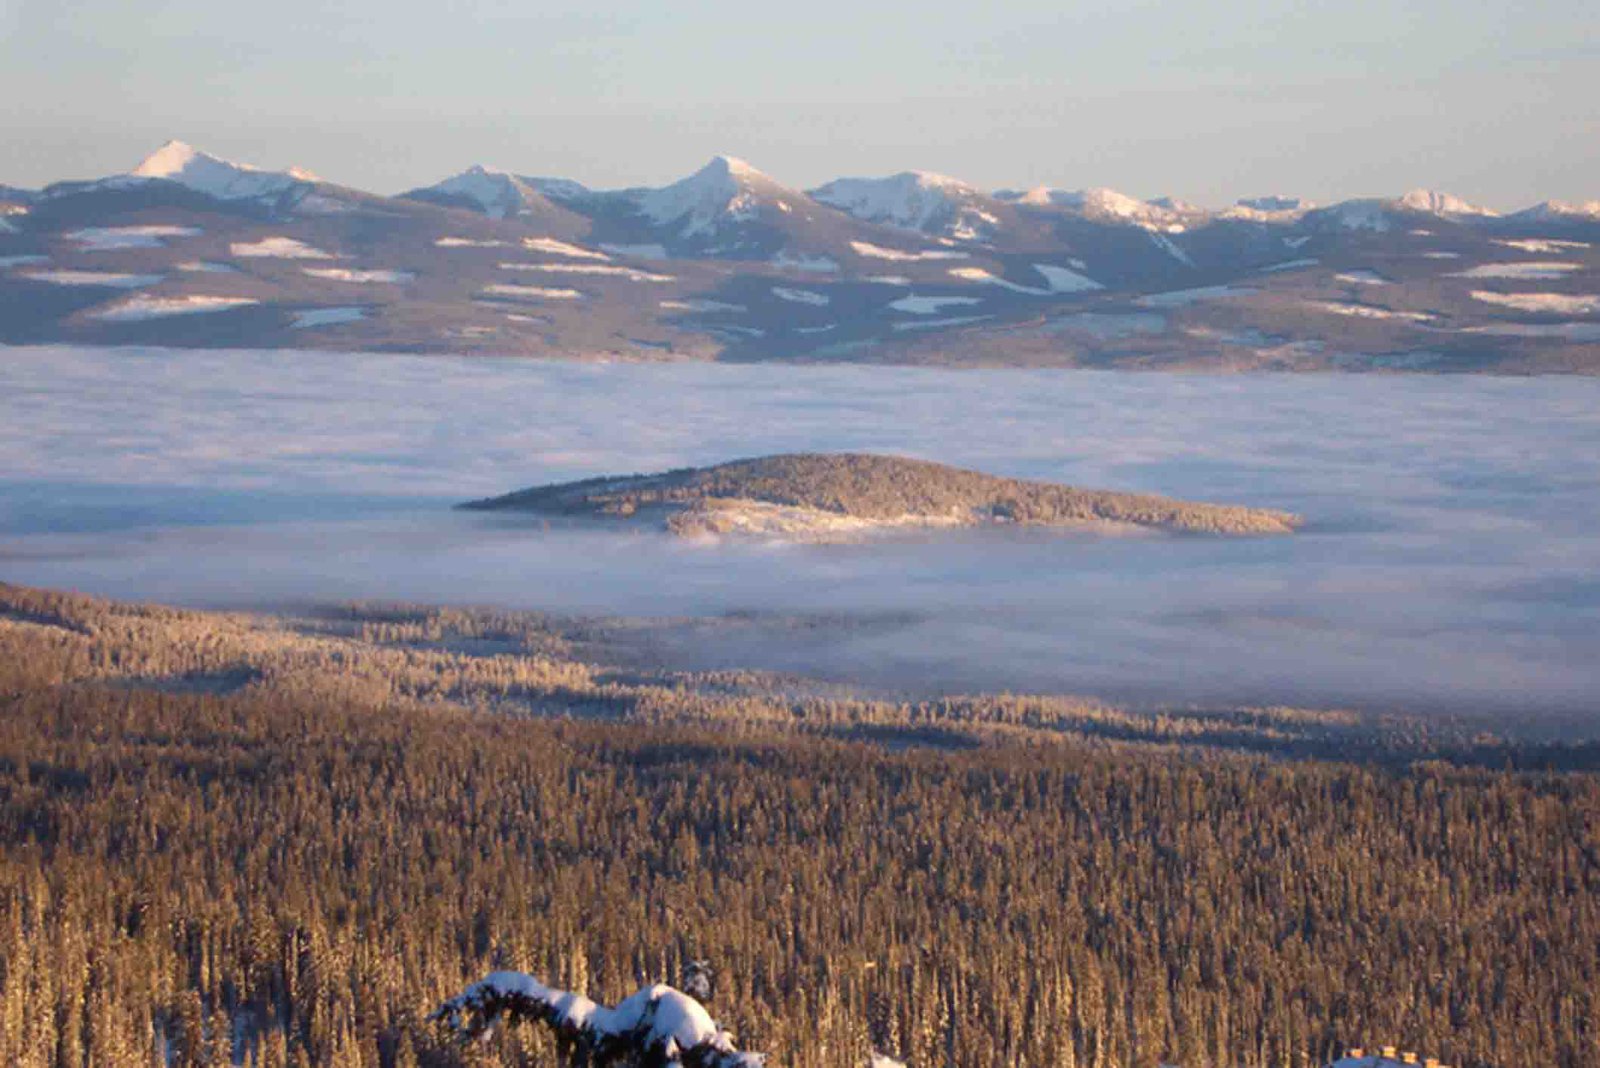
(320, 870)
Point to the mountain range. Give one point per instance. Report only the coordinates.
(187, 249)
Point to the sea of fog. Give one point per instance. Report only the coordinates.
(1452, 558)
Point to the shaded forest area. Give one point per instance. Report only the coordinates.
(291, 856)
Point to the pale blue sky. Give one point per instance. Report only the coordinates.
(1323, 99)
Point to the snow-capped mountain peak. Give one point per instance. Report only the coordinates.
(913, 200)
(497, 193)
(186, 165)
(724, 190)
(1433, 202)
(1109, 205)
(1562, 210)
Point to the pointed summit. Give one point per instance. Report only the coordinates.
(725, 190)
(178, 161)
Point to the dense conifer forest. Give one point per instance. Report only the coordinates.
(224, 840)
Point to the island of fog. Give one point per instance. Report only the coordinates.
(821, 496)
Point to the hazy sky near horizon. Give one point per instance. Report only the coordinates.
(1498, 103)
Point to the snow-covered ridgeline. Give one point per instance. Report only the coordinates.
(657, 1021)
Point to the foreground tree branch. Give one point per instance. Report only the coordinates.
(656, 1027)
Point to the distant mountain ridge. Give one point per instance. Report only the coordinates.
(190, 249)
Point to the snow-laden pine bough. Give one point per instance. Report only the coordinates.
(657, 1027)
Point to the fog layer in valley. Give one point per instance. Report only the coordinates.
(1450, 561)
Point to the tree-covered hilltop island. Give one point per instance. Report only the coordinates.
(838, 495)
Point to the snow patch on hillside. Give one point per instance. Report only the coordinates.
(694, 304)
(800, 296)
(1367, 311)
(1556, 303)
(1547, 246)
(1562, 331)
(1529, 271)
(314, 317)
(1062, 280)
(469, 242)
(983, 277)
(1362, 277)
(637, 252)
(378, 276)
(915, 305)
(278, 248)
(144, 307)
(561, 248)
(111, 279)
(18, 261)
(535, 292)
(1167, 245)
(1290, 265)
(878, 252)
(207, 267)
(799, 261)
(632, 274)
(117, 238)
(1178, 298)
(936, 324)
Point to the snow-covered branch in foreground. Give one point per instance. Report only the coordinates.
(657, 1027)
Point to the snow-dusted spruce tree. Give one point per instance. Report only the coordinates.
(657, 1027)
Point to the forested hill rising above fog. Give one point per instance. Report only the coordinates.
(825, 495)
(188, 249)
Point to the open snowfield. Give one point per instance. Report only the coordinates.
(1450, 560)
